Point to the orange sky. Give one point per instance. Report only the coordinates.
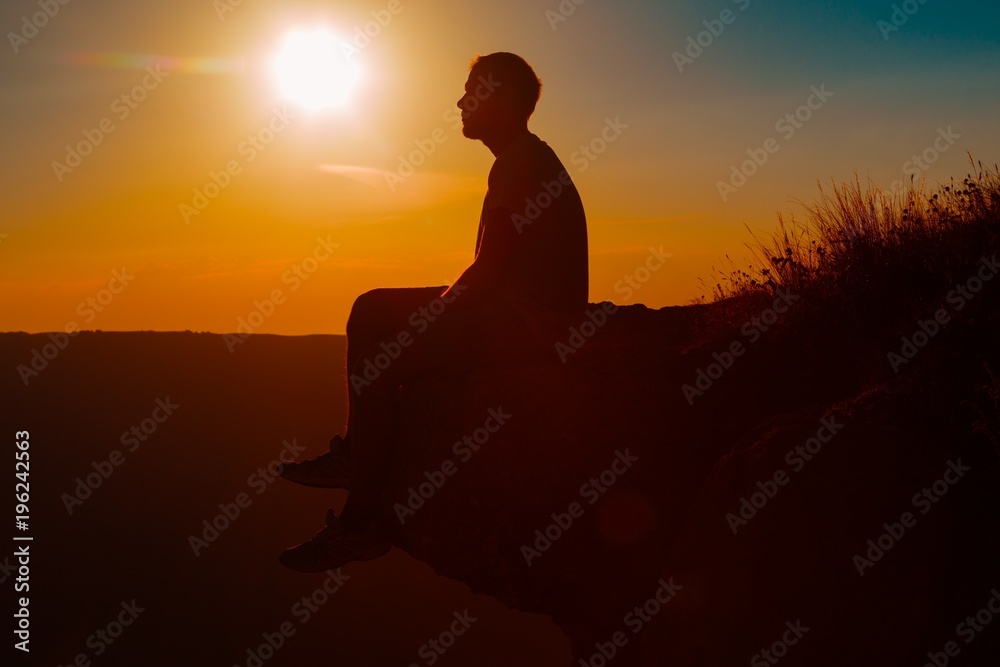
(319, 179)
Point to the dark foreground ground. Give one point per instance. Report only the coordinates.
(125, 550)
(759, 481)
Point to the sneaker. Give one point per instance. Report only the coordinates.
(330, 470)
(334, 547)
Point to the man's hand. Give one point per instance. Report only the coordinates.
(486, 271)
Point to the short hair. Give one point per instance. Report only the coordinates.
(513, 70)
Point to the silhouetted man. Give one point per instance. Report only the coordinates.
(526, 286)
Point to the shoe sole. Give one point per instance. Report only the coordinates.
(310, 568)
(313, 483)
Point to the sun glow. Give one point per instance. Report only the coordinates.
(313, 69)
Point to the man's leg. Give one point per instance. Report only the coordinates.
(379, 316)
(456, 341)
(374, 422)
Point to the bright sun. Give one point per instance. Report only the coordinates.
(313, 70)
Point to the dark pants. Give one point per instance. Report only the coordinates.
(395, 335)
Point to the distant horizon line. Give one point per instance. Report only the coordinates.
(237, 333)
(159, 331)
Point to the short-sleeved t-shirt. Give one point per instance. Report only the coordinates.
(545, 278)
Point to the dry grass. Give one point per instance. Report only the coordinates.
(863, 242)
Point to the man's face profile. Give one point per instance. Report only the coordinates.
(482, 104)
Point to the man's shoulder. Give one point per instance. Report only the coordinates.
(529, 160)
(528, 146)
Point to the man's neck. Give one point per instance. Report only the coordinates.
(504, 138)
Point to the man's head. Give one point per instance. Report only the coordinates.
(500, 94)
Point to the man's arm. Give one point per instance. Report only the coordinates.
(486, 271)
